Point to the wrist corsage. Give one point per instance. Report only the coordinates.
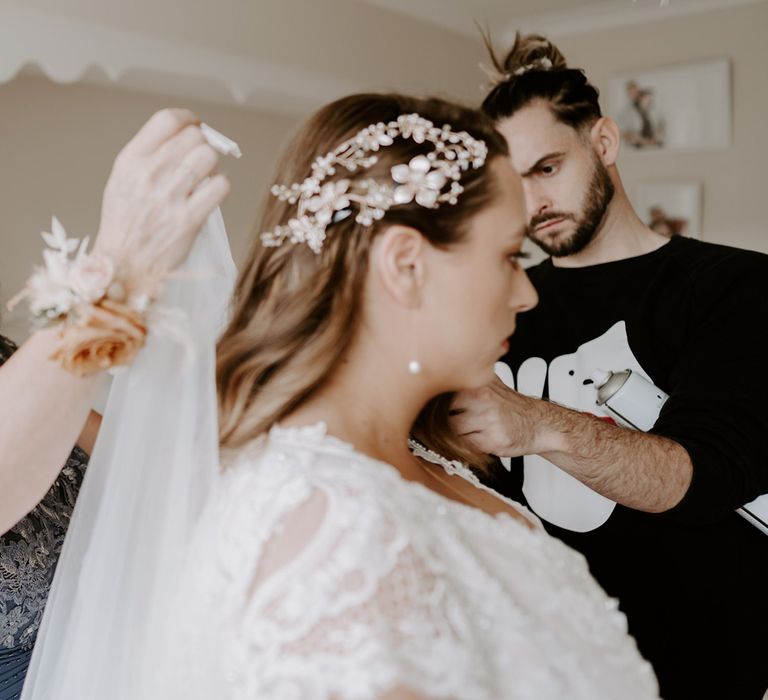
(101, 326)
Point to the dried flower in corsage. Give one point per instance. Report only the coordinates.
(99, 326)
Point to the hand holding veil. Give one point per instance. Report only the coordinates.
(155, 459)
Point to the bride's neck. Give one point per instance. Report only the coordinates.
(368, 404)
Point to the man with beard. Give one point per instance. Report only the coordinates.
(654, 512)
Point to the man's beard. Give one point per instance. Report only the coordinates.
(599, 195)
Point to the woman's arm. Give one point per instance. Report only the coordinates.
(161, 190)
(43, 410)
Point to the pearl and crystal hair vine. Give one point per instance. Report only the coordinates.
(422, 179)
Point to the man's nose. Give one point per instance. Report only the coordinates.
(537, 201)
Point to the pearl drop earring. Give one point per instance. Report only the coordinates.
(414, 366)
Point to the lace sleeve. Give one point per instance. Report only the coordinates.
(341, 606)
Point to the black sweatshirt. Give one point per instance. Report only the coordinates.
(693, 318)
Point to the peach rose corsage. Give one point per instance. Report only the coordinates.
(100, 329)
(104, 335)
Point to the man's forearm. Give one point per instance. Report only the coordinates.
(638, 470)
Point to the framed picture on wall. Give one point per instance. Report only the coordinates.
(670, 207)
(679, 107)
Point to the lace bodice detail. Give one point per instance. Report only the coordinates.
(318, 573)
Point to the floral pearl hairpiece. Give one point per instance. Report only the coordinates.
(422, 179)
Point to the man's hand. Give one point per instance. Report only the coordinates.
(638, 470)
(501, 422)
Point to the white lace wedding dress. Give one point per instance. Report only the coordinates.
(318, 573)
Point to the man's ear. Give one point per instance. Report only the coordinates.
(606, 139)
(397, 259)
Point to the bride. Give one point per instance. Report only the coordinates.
(346, 551)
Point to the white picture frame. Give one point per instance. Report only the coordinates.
(670, 207)
(684, 107)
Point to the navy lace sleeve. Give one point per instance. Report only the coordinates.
(29, 550)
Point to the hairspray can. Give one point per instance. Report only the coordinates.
(632, 399)
(636, 403)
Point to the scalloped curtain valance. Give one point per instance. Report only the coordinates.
(69, 50)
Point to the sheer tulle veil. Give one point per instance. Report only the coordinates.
(155, 460)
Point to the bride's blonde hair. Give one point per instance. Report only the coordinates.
(295, 312)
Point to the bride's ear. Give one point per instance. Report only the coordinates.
(397, 259)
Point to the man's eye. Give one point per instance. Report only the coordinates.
(548, 169)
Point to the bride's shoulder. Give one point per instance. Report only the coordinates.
(293, 460)
(310, 488)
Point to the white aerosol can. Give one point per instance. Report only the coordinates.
(636, 403)
(629, 397)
